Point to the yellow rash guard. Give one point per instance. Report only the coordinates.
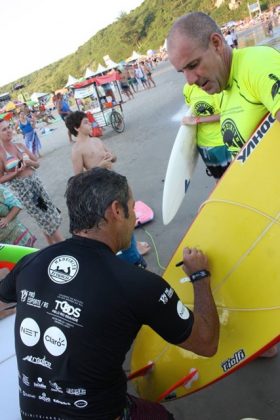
(203, 105)
(253, 90)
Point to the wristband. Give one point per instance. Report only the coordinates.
(198, 275)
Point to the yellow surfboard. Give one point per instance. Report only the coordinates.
(239, 229)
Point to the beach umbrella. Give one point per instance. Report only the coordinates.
(10, 106)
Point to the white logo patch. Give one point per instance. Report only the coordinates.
(182, 310)
(63, 269)
(29, 332)
(55, 341)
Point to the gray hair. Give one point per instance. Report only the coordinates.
(89, 194)
(196, 25)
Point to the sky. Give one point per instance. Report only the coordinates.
(35, 33)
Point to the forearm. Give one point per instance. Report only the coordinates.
(207, 119)
(7, 177)
(205, 312)
(12, 214)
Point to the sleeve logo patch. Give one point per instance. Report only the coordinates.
(182, 310)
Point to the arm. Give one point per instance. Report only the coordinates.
(205, 331)
(10, 216)
(278, 115)
(77, 162)
(192, 120)
(32, 161)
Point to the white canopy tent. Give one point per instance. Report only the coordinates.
(89, 73)
(71, 81)
(37, 95)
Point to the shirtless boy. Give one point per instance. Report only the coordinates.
(87, 152)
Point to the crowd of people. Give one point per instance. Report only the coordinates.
(108, 297)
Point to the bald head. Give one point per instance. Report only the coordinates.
(196, 25)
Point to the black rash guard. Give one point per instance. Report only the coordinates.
(79, 308)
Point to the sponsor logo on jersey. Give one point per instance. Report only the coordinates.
(234, 360)
(39, 384)
(203, 108)
(80, 403)
(55, 341)
(55, 387)
(166, 295)
(63, 269)
(30, 299)
(29, 332)
(255, 139)
(43, 397)
(61, 402)
(67, 309)
(182, 310)
(25, 380)
(38, 361)
(27, 395)
(76, 391)
(231, 135)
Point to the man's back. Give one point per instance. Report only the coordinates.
(73, 328)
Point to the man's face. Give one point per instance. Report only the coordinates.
(201, 66)
(6, 133)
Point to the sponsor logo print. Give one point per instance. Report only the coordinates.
(23, 295)
(231, 134)
(25, 380)
(182, 310)
(76, 391)
(27, 395)
(67, 309)
(166, 295)
(61, 402)
(44, 397)
(80, 403)
(29, 332)
(31, 300)
(233, 361)
(202, 108)
(63, 269)
(55, 387)
(55, 341)
(255, 139)
(38, 361)
(39, 384)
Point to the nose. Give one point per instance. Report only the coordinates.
(190, 76)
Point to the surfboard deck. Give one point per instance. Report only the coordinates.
(239, 229)
(180, 168)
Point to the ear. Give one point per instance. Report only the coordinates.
(217, 41)
(116, 210)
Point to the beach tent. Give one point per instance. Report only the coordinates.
(100, 69)
(37, 95)
(88, 73)
(135, 56)
(109, 63)
(71, 81)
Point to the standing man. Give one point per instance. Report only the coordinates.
(249, 78)
(63, 110)
(71, 348)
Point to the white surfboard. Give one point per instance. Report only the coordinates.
(180, 168)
